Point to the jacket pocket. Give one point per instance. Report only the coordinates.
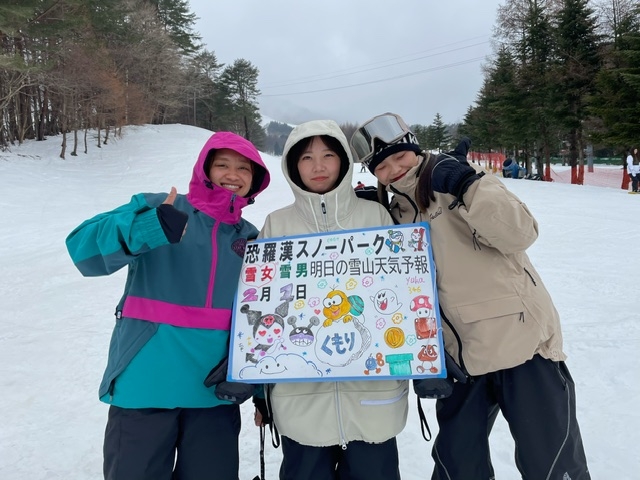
(490, 309)
(388, 400)
(496, 334)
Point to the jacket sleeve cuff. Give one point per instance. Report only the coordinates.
(148, 225)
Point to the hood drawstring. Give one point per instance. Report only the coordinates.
(336, 214)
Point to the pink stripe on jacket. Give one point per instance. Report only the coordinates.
(177, 315)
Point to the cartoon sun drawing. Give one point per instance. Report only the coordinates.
(338, 306)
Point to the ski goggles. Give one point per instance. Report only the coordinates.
(387, 128)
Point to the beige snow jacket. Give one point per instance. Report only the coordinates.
(333, 413)
(497, 311)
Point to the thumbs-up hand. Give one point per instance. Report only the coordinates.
(171, 197)
(172, 220)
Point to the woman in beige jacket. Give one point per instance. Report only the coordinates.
(499, 322)
(332, 430)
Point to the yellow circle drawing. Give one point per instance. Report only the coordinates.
(394, 337)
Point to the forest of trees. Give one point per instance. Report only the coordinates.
(68, 66)
(565, 74)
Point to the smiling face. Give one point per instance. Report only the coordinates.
(336, 305)
(231, 171)
(319, 167)
(386, 301)
(395, 166)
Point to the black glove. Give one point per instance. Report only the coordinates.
(261, 405)
(435, 388)
(452, 176)
(461, 150)
(233, 392)
(172, 221)
(447, 173)
(453, 370)
(218, 374)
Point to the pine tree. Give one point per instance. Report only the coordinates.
(437, 136)
(536, 84)
(489, 124)
(203, 73)
(239, 88)
(617, 100)
(178, 21)
(578, 65)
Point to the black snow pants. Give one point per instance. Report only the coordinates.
(141, 444)
(537, 399)
(358, 461)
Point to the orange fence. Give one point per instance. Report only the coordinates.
(491, 161)
(612, 177)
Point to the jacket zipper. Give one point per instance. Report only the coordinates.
(459, 342)
(534, 284)
(208, 302)
(476, 243)
(323, 207)
(531, 277)
(343, 441)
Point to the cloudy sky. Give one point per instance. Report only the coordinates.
(350, 60)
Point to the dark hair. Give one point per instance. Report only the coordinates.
(296, 151)
(424, 192)
(383, 195)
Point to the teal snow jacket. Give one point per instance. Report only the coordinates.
(190, 284)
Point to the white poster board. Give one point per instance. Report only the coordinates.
(349, 305)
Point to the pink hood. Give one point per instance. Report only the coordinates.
(218, 202)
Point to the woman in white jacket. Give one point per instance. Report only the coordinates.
(332, 430)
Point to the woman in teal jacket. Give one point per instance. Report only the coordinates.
(184, 254)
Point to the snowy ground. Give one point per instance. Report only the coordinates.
(55, 326)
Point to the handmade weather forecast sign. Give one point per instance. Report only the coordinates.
(349, 305)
